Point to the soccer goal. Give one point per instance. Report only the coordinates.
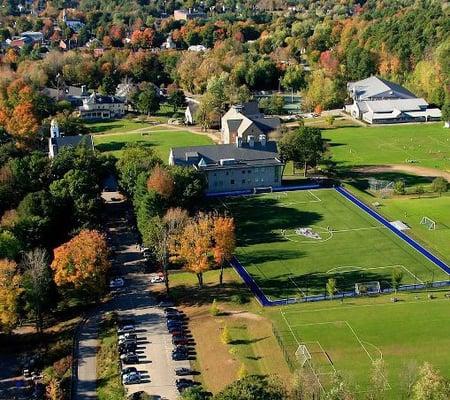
(368, 288)
(262, 189)
(429, 223)
(303, 355)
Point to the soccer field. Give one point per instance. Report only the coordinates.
(291, 243)
(349, 337)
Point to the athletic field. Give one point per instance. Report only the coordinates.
(293, 242)
(348, 337)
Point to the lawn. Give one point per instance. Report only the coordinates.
(419, 144)
(160, 139)
(348, 337)
(351, 246)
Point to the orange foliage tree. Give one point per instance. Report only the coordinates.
(224, 241)
(161, 181)
(23, 125)
(82, 262)
(10, 292)
(194, 246)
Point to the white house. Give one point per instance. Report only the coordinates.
(102, 107)
(378, 101)
(56, 141)
(242, 120)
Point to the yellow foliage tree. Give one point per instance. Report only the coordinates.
(10, 291)
(82, 262)
(224, 241)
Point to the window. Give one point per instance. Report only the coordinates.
(243, 180)
(249, 171)
(227, 173)
(232, 181)
(243, 171)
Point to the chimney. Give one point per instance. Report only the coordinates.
(238, 141)
(251, 140)
(263, 140)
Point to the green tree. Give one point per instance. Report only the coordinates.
(294, 78)
(176, 99)
(148, 101)
(400, 187)
(193, 393)
(225, 336)
(253, 387)
(276, 104)
(439, 185)
(304, 145)
(331, 287)
(330, 119)
(430, 385)
(10, 246)
(36, 281)
(396, 279)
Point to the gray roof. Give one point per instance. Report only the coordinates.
(373, 86)
(212, 154)
(72, 141)
(248, 109)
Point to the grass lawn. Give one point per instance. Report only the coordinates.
(425, 144)
(109, 385)
(160, 140)
(352, 247)
(348, 337)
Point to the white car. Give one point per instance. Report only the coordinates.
(126, 329)
(116, 283)
(157, 279)
(132, 377)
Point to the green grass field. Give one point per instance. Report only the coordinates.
(112, 136)
(348, 337)
(426, 144)
(353, 247)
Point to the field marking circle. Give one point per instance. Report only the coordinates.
(289, 236)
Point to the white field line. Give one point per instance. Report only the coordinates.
(351, 268)
(296, 286)
(325, 353)
(289, 235)
(357, 229)
(315, 196)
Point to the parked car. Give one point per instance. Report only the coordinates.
(172, 317)
(183, 371)
(125, 329)
(176, 330)
(183, 384)
(126, 321)
(128, 370)
(129, 358)
(134, 377)
(170, 311)
(165, 303)
(116, 283)
(127, 348)
(127, 336)
(174, 322)
(180, 340)
(179, 356)
(157, 279)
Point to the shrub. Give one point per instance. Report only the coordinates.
(225, 335)
(239, 298)
(214, 309)
(242, 372)
(399, 187)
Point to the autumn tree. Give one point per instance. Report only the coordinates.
(82, 262)
(224, 241)
(430, 385)
(10, 291)
(37, 280)
(161, 181)
(331, 287)
(194, 246)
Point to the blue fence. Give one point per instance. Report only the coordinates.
(275, 189)
(266, 302)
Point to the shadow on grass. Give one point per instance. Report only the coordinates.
(248, 341)
(116, 146)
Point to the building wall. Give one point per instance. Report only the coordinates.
(225, 180)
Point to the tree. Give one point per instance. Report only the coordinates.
(439, 185)
(37, 281)
(23, 124)
(214, 309)
(161, 181)
(194, 246)
(304, 145)
(242, 372)
(400, 187)
(166, 232)
(193, 393)
(430, 385)
(224, 241)
(420, 190)
(378, 381)
(396, 279)
(294, 78)
(82, 262)
(253, 387)
(148, 100)
(339, 389)
(331, 287)
(446, 110)
(10, 291)
(10, 246)
(176, 98)
(330, 119)
(276, 105)
(225, 336)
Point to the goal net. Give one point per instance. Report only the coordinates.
(429, 223)
(263, 189)
(368, 287)
(385, 188)
(303, 355)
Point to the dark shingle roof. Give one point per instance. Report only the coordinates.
(211, 155)
(73, 141)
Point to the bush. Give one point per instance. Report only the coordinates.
(242, 373)
(225, 335)
(439, 185)
(399, 187)
(239, 299)
(214, 309)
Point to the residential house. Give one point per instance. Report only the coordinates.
(36, 37)
(243, 165)
(197, 48)
(73, 94)
(242, 120)
(191, 110)
(97, 106)
(57, 141)
(169, 44)
(378, 101)
(74, 24)
(186, 15)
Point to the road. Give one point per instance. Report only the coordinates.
(134, 300)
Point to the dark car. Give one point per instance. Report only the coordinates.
(169, 310)
(176, 329)
(127, 348)
(179, 356)
(183, 371)
(175, 317)
(175, 324)
(180, 340)
(130, 358)
(183, 384)
(128, 370)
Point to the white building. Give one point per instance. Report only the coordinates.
(56, 141)
(378, 101)
(102, 107)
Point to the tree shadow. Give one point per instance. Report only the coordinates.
(116, 145)
(248, 341)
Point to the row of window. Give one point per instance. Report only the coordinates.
(261, 170)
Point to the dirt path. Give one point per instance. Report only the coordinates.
(410, 169)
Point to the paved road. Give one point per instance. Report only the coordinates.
(134, 300)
